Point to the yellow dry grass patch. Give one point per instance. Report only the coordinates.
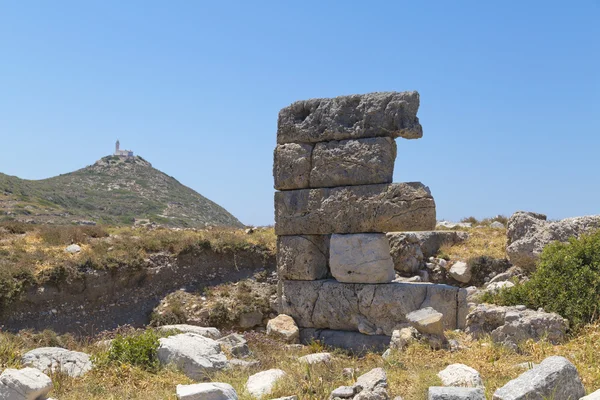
(483, 241)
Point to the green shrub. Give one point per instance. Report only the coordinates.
(567, 281)
(139, 350)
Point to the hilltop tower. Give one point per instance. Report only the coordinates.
(122, 153)
(117, 146)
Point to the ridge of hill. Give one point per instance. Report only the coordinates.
(114, 190)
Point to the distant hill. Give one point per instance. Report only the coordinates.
(115, 190)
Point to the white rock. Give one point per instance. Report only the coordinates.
(555, 378)
(460, 375)
(427, 320)
(461, 271)
(206, 391)
(592, 396)
(495, 287)
(316, 358)
(455, 393)
(24, 384)
(51, 359)
(211, 333)
(262, 383)
(195, 355)
(497, 225)
(283, 327)
(73, 249)
(361, 258)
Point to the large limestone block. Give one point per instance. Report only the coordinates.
(193, 354)
(554, 378)
(353, 162)
(374, 309)
(24, 384)
(263, 383)
(361, 258)
(206, 391)
(390, 114)
(356, 342)
(455, 393)
(303, 257)
(528, 233)
(355, 209)
(292, 165)
(53, 359)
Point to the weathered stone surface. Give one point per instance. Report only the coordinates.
(353, 162)
(24, 384)
(528, 233)
(343, 392)
(303, 257)
(461, 271)
(429, 242)
(211, 333)
(372, 385)
(206, 391)
(355, 209)
(74, 248)
(555, 378)
(355, 342)
(460, 375)
(592, 396)
(512, 325)
(250, 319)
(262, 383)
(369, 308)
(401, 338)
(195, 355)
(53, 359)
(406, 253)
(390, 114)
(455, 393)
(427, 320)
(235, 344)
(292, 165)
(361, 258)
(316, 358)
(283, 327)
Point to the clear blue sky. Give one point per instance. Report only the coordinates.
(510, 92)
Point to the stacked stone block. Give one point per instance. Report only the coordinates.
(333, 168)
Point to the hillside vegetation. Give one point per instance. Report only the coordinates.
(114, 191)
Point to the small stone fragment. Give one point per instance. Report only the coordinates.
(427, 320)
(284, 328)
(460, 375)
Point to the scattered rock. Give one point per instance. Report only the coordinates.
(316, 358)
(554, 378)
(206, 391)
(52, 359)
(495, 287)
(235, 344)
(73, 249)
(461, 271)
(497, 225)
(452, 225)
(287, 398)
(455, 393)
(512, 325)
(250, 319)
(528, 233)
(284, 328)
(24, 384)
(361, 258)
(195, 355)
(343, 392)
(211, 333)
(592, 396)
(460, 375)
(372, 385)
(243, 364)
(401, 338)
(427, 320)
(262, 383)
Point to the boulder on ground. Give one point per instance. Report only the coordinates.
(316, 358)
(284, 328)
(427, 320)
(528, 233)
(73, 249)
(554, 378)
(52, 359)
(24, 384)
(460, 375)
(388, 114)
(211, 333)
(401, 338)
(235, 344)
(262, 383)
(361, 258)
(592, 396)
(206, 391)
(512, 325)
(455, 393)
(194, 355)
(370, 386)
(460, 271)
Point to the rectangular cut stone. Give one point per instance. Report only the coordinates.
(355, 209)
(373, 309)
(303, 257)
(292, 165)
(391, 114)
(361, 258)
(356, 342)
(353, 162)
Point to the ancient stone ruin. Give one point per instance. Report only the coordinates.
(335, 202)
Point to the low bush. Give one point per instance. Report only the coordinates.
(567, 281)
(139, 350)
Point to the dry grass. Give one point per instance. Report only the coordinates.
(410, 373)
(483, 241)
